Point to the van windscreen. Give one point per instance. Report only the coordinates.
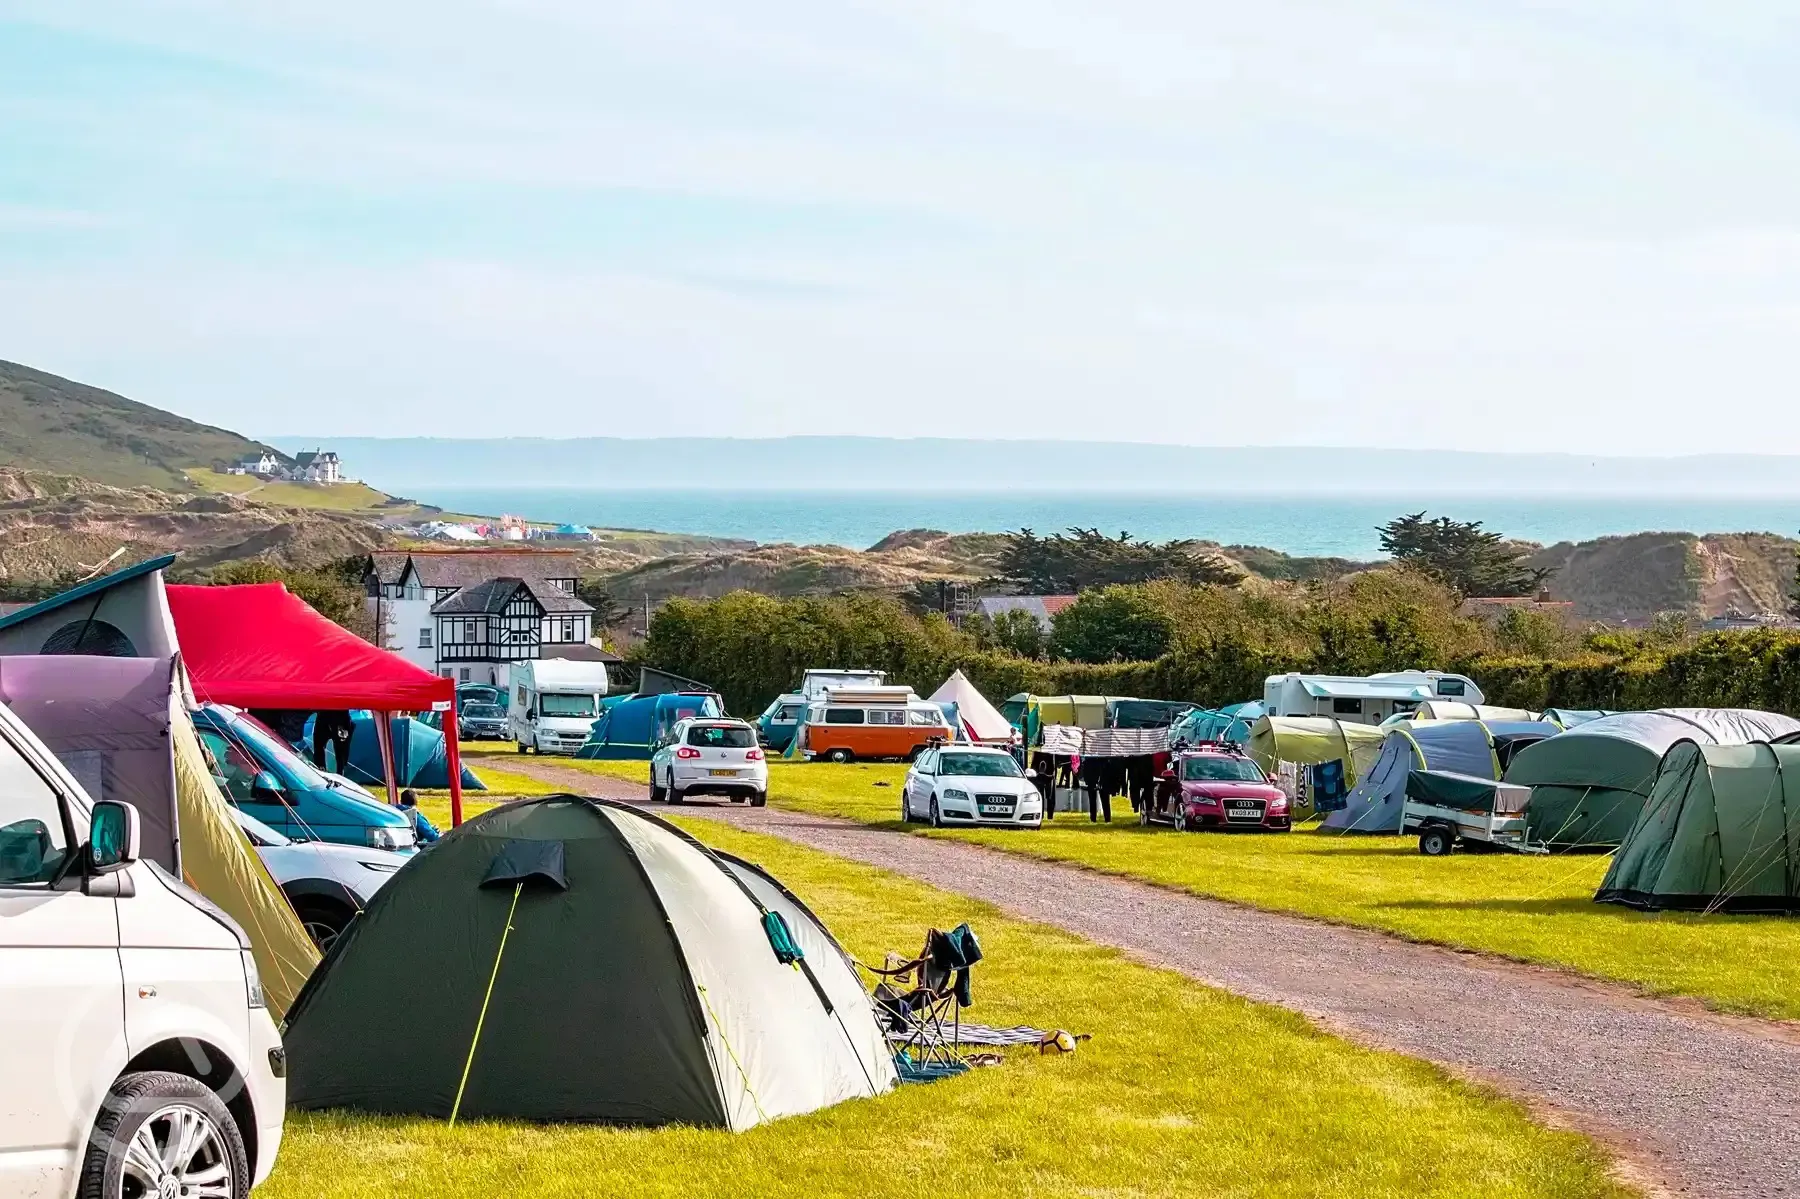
(566, 705)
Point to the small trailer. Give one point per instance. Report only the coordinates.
(1485, 816)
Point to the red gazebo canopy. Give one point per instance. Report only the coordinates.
(257, 645)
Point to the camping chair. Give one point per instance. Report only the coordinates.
(920, 1003)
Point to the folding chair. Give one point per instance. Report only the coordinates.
(920, 1003)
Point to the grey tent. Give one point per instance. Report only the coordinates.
(637, 978)
(1481, 748)
(1721, 832)
(1588, 784)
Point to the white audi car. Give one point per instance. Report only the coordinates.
(970, 784)
(710, 756)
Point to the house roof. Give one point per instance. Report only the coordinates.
(91, 587)
(493, 595)
(586, 651)
(1043, 607)
(465, 568)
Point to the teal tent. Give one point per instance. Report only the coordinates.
(632, 728)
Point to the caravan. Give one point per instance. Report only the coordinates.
(554, 703)
(1365, 700)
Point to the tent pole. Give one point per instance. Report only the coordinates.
(384, 735)
(455, 759)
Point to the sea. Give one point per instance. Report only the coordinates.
(1306, 525)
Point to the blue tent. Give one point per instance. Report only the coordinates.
(419, 756)
(1479, 748)
(631, 729)
(1230, 723)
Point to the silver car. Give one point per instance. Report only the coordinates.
(702, 756)
(327, 883)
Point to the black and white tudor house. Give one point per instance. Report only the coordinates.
(470, 614)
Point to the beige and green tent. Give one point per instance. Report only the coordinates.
(1310, 740)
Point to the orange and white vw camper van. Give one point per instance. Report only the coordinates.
(871, 722)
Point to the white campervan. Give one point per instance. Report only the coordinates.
(137, 1056)
(554, 702)
(1367, 699)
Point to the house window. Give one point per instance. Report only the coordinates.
(425, 638)
(562, 628)
(1346, 707)
(462, 675)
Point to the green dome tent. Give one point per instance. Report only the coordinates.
(1588, 784)
(584, 961)
(1721, 832)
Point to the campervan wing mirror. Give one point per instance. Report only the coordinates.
(266, 788)
(114, 837)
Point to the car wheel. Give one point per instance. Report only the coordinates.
(837, 755)
(161, 1134)
(1436, 841)
(937, 821)
(675, 795)
(905, 807)
(323, 922)
(657, 794)
(759, 799)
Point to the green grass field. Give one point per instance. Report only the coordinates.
(339, 497)
(1183, 1090)
(1534, 909)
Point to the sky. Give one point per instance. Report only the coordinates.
(1511, 225)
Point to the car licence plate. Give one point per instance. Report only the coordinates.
(996, 809)
(723, 774)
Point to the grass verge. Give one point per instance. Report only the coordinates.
(1534, 909)
(1184, 1090)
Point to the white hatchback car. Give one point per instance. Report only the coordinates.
(970, 784)
(138, 1057)
(710, 756)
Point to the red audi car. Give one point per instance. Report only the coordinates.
(1217, 786)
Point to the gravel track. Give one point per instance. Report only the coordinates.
(1695, 1103)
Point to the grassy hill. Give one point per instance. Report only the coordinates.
(49, 423)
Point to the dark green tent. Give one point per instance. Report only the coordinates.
(638, 983)
(1588, 784)
(1721, 832)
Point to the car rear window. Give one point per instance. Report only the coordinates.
(721, 736)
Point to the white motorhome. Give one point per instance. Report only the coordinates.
(553, 703)
(139, 1057)
(1368, 699)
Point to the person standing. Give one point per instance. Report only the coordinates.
(333, 729)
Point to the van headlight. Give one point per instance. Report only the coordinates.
(253, 982)
(389, 837)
